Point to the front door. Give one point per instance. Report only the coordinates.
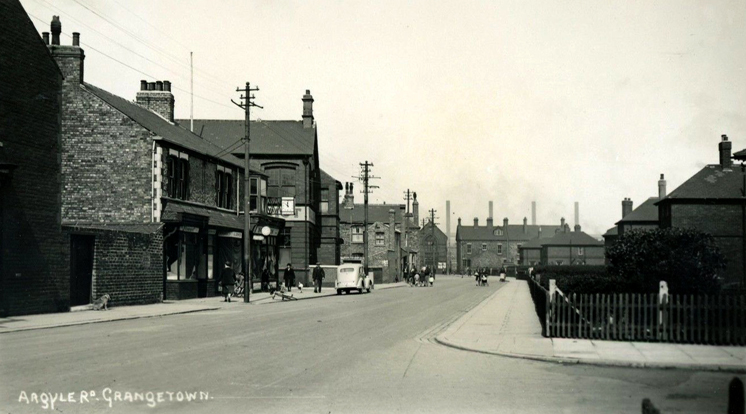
(81, 272)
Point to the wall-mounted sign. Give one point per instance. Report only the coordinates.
(189, 229)
(288, 206)
(231, 234)
(257, 237)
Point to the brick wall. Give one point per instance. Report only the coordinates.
(127, 265)
(33, 264)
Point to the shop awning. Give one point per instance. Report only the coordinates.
(173, 212)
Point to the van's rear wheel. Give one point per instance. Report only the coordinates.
(339, 291)
(360, 291)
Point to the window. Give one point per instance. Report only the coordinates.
(380, 239)
(224, 187)
(468, 248)
(498, 232)
(281, 182)
(283, 239)
(177, 173)
(580, 251)
(499, 248)
(484, 247)
(357, 234)
(324, 200)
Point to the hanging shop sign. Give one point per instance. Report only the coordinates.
(231, 234)
(189, 229)
(257, 237)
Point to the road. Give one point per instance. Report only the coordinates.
(356, 353)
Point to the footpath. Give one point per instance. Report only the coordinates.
(119, 313)
(506, 324)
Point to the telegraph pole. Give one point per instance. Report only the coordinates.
(365, 177)
(246, 104)
(432, 235)
(407, 197)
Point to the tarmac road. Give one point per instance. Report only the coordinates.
(369, 353)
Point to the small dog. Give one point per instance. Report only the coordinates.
(101, 302)
(300, 287)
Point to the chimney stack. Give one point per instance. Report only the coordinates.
(489, 222)
(307, 110)
(577, 228)
(505, 224)
(459, 221)
(476, 221)
(525, 225)
(415, 209)
(626, 207)
(448, 220)
(68, 58)
(45, 36)
(533, 213)
(349, 198)
(157, 98)
(724, 146)
(662, 188)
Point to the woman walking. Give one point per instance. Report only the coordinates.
(228, 281)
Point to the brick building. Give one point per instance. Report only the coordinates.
(34, 276)
(329, 247)
(530, 252)
(150, 209)
(643, 217)
(493, 246)
(288, 152)
(386, 256)
(572, 248)
(433, 247)
(712, 201)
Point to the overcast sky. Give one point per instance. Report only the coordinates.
(468, 101)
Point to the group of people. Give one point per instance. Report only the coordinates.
(424, 277)
(229, 279)
(480, 275)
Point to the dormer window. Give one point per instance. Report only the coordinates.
(498, 232)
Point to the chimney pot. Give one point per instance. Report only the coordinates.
(158, 85)
(151, 86)
(56, 29)
(76, 39)
(307, 110)
(143, 85)
(476, 221)
(662, 188)
(167, 86)
(45, 36)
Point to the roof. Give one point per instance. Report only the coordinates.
(572, 238)
(711, 182)
(17, 21)
(647, 211)
(326, 178)
(267, 137)
(614, 231)
(740, 155)
(427, 228)
(376, 213)
(164, 129)
(533, 244)
(515, 232)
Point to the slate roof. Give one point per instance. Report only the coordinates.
(328, 178)
(376, 213)
(515, 232)
(710, 183)
(572, 238)
(533, 244)
(267, 137)
(614, 231)
(163, 129)
(647, 211)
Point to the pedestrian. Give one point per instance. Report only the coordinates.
(477, 276)
(318, 276)
(228, 281)
(289, 277)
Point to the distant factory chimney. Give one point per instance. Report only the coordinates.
(533, 213)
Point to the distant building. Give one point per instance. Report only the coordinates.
(572, 248)
(433, 247)
(34, 268)
(494, 246)
(643, 217)
(712, 201)
(530, 252)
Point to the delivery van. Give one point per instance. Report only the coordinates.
(351, 276)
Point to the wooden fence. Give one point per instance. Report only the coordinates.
(694, 319)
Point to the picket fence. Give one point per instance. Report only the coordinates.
(694, 319)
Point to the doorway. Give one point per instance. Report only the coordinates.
(81, 272)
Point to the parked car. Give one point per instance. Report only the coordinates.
(351, 276)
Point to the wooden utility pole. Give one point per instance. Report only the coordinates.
(246, 104)
(365, 177)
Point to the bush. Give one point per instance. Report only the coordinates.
(581, 279)
(688, 260)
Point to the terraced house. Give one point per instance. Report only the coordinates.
(150, 210)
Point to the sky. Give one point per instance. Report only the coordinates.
(469, 101)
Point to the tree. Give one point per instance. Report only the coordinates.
(688, 260)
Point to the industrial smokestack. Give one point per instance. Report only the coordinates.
(490, 211)
(533, 213)
(577, 214)
(448, 219)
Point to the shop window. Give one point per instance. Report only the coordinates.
(357, 234)
(324, 200)
(224, 188)
(177, 173)
(185, 255)
(380, 239)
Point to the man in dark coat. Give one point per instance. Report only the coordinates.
(318, 276)
(227, 280)
(289, 277)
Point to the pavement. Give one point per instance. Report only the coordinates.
(119, 313)
(506, 324)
